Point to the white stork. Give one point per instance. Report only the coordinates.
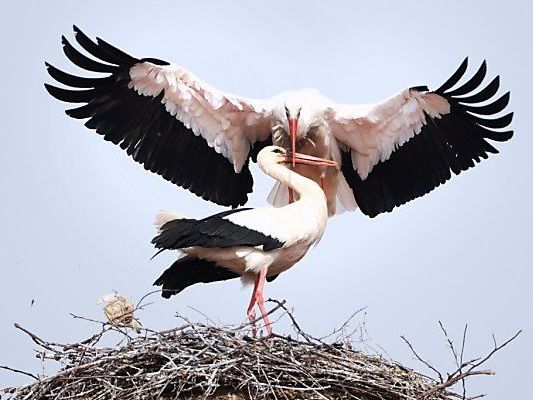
(202, 139)
(253, 243)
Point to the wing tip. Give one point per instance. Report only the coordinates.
(499, 136)
(54, 91)
(64, 42)
(483, 67)
(76, 29)
(454, 78)
(50, 69)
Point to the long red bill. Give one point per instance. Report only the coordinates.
(293, 128)
(298, 158)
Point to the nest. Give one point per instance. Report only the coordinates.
(198, 361)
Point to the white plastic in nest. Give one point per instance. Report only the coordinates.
(119, 311)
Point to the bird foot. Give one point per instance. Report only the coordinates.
(253, 320)
(251, 317)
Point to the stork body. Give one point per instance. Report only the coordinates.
(310, 133)
(388, 153)
(254, 244)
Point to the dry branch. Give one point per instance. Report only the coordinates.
(197, 361)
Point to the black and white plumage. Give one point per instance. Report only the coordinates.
(256, 244)
(202, 139)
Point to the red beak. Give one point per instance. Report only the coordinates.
(293, 128)
(298, 158)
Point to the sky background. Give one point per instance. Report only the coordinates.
(77, 213)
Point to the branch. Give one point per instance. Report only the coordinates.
(37, 339)
(18, 371)
(250, 323)
(496, 349)
(459, 375)
(294, 323)
(453, 381)
(426, 363)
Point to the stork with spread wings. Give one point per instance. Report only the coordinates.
(202, 139)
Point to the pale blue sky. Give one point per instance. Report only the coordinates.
(77, 213)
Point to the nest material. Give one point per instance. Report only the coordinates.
(199, 361)
(119, 311)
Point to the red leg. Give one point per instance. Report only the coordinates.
(323, 182)
(261, 300)
(257, 297)
(250, 312)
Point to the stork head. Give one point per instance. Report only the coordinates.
(295, 112)
(289, 117)
(292, 113)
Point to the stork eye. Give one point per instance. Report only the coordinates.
(277, 151)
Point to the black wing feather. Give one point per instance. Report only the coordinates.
(492, 108)
(83, 61)
(72, 80)
(457, 75)
(214, 231)
(472, 84)
(141, 126)
(486, 93)
(501, 122)
(71, 96)
(452, 143)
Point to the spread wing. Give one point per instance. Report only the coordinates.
(406, 146)
(166, 119)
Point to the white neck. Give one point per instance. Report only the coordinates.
(306, 188)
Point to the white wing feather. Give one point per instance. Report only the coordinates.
(374, 131)
(228, 123)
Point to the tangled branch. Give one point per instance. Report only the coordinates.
(464, 369)
(196, 360)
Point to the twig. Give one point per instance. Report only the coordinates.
(35, 338)
(459, 375)
(452, 381)
(251, 323)
(139, 305)
(496, 349)
(344, 324)
(307, 337)
(426, 363)
(18, 371)
(461, 359)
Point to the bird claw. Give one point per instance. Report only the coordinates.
(259, 333)
(251, 317)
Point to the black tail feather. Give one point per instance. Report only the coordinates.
(189, 270)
